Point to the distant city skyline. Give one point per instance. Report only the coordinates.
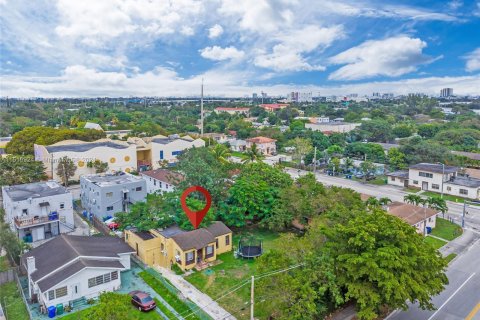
(158, 48)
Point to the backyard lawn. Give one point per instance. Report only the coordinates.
(230, 273)
(4, 264)
(446, 230)
(12, 301)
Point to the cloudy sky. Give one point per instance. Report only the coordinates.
(92, 48)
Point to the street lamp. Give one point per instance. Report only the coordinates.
(443, 177)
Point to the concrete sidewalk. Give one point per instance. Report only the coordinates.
(458, 245)
(202, 300)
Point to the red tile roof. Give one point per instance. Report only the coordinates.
(258, 140)
(231, 109)
(274, 105)
(165, 175)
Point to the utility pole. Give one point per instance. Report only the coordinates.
(464, 211)
(315, 160)
(201, 111)
(252, 298)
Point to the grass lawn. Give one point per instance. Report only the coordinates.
(4, 263)
(446, 230)
(232, 272)
(436, 243)
(12, 301)
(411, 189)
(379, 180)
(133, 314)
(237, 154)
(450, 257)
(172, 299)
(445, 196)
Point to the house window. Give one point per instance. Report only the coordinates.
(435, 186)
(138, 189)
(463, 191)
(114, 275)
(209, 252)
(109, 194)
(162, 247)
(62, 205)
(227, 240)
(393, 178)
(415, 182)
(189, 257)
(110, 208)
(161, 154)
(61, 292)
(449, 188)
(51, 295)
(176, 153)
(154, 182)
(25, 211)
(104, 278)
(425, 174)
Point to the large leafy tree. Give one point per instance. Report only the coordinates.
(254, 193)
(20, 169)
(396, 159)
(302, 147)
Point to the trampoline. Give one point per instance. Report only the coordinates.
(249, 248)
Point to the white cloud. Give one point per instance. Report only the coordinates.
(219, 54)
(288, 54)
(390, 57)
(455, 4)
(473, 61)
(79, 81)
(215, 31)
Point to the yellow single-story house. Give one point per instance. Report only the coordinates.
(187, 249)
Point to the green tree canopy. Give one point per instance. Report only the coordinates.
(20, 169)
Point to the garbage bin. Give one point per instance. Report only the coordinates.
(51, 311)
(59, 309)
(429, 230)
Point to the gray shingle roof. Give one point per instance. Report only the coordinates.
(399, 174)
(164, 175)
(58, 252)
(218, 228)
(74, 268)
(195, 239)
(432, 167)
(465, 182)
(82, 147)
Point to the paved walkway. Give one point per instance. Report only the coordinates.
(458, 245)
(202, 300)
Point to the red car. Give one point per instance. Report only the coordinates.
(142, 300)
(113, 225)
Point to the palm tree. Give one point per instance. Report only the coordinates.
(221, 153)
(253, 154)
(384, 201)
(372, 202)
(413, 199)
(438, 204)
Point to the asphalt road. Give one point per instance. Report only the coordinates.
(455, 210)
(460, 299)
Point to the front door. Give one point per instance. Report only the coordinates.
(76, 291)
(199, 255)
(424, 185)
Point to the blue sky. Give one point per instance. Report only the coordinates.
(164, 48)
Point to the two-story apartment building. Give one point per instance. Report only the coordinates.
(161, 180)
(265, 145)
(166, 149)
(119, 155)
(436, 177)
(38, 211)
(187, 249)
(106, 194)
(71, 268)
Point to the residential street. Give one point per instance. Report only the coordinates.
(455, 210)
(461, 298)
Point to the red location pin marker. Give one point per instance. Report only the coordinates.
(196, 217)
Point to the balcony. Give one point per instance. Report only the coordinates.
(29, 221)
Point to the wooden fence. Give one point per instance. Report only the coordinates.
(100, 226)
(7, 276)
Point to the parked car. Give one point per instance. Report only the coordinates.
(142, 300)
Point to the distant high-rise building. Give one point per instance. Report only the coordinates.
(376, 94)
(446, 92)
(299, 97)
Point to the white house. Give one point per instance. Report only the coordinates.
(398, 178)
(70, 268)
(419, 217)
(161, 180)
(238, 145)
(168, 148)
(430, 176)
(38, 211)
(119, 155)
(94, 126)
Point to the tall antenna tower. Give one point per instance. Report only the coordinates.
(201, 111)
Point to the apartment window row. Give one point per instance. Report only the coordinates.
(104, 278)
(463, 191)
(57, 293)
(435, 186)
(425, 174)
